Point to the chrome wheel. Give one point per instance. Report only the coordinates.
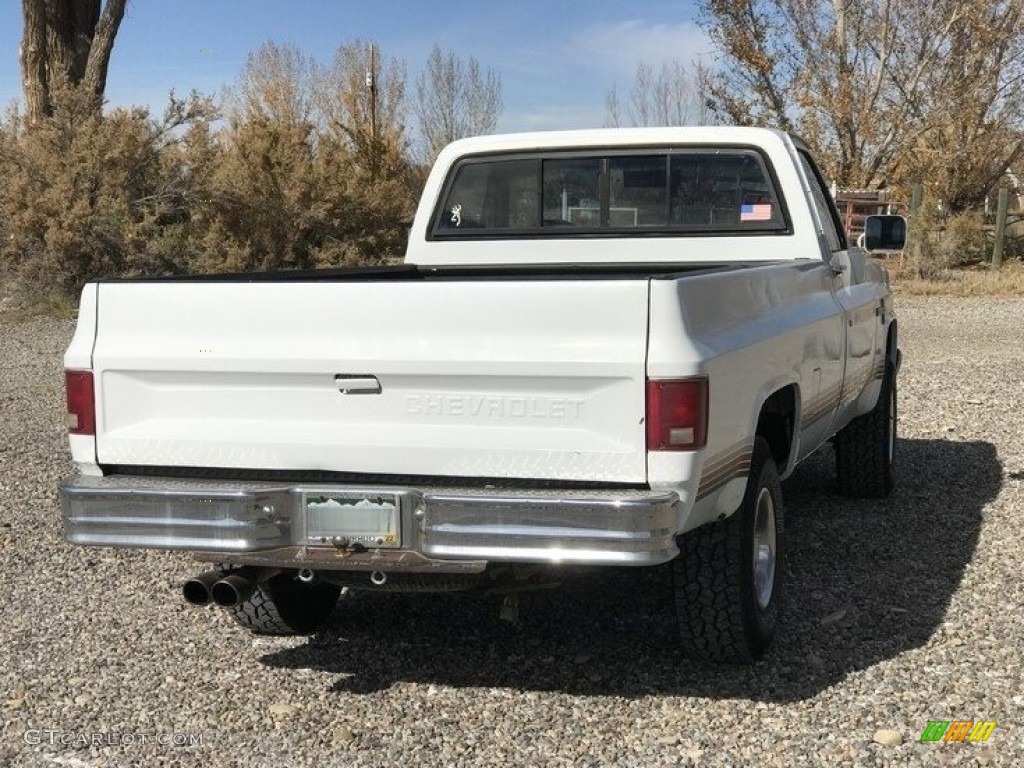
(764, 548)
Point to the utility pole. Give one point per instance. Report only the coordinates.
(371, 83)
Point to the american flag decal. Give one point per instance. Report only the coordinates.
(756, 212)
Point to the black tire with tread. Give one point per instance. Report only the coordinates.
(717, 611)
(864, 463)
(283, 605)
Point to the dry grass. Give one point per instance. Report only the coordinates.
(973, 280)
(55, 307)
(22, 305)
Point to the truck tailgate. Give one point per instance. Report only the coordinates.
(468, 378)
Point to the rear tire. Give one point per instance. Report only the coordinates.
(866, 447)
(726, 579)
(283, 605)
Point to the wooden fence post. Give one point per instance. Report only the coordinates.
(997, 247)
(916, 195)
(916, 233)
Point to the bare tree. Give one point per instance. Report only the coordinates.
(884, 90)
(455, 99)
(364, 145)
(972, 108)
(66, 45)
(612, 108)
(362, 99)
(276, 83)
(667, 96)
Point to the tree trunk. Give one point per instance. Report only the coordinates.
(85, 15)
(105, 31)
(33, 61)
(66, 44)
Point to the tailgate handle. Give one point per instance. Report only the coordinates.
(357, 385)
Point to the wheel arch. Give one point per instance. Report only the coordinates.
(776, 423)
(892, 350)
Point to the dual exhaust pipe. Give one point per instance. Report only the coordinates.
(226, 588)
(230, 588)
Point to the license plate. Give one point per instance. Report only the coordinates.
(353, 518)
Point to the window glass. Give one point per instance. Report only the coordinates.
(670, 191)
(723, 191)
(572, 192)
(820, 196)
(638, 191)
(492, 195)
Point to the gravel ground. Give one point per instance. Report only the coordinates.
(897, 613)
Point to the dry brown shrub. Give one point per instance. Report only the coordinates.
(945, 242)
(284, 181)
(88, 195)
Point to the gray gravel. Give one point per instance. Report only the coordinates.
(898, 612)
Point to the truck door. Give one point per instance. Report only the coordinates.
(858, 298)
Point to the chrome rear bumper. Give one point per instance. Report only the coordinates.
(439, 527)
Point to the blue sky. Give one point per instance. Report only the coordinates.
(556, 60)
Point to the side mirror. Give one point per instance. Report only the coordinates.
(885, 233)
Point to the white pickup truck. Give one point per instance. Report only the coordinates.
(604, 348)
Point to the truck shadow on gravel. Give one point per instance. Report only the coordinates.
(864, 581)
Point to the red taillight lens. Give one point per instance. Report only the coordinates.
(677, 414)
(81, 403)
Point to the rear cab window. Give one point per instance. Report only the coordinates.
(670, 191)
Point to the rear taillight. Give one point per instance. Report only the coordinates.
(677, 414)
(81, 403)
